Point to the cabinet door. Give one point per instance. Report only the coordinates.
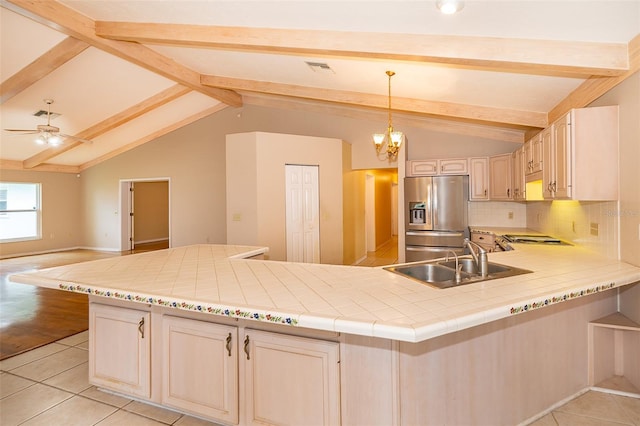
(562, 153)
(548, 163)
(423, 167)
(479, 178)
(500, 177)
(536, 153)
(119, 349)
(200, 368)
(518, 166)
(453, 166)
(290, 380)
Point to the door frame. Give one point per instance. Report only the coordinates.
(126, 204)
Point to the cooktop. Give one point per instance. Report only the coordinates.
(533, 239)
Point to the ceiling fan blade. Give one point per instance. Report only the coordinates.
(23, 131)
(87, 141)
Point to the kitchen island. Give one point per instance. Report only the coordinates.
(371, 347)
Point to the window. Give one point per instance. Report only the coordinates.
(19, 211)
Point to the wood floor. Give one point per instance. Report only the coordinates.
(31, 316)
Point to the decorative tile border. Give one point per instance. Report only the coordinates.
(202, 308)
(557, 299)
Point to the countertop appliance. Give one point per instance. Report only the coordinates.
(436, 216)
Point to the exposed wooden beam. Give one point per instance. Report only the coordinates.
(58, 168)
(471, 113)
(153, 136)
(594, 87)
(547, 57)
(48, 62)
(439, 125)
(68, 21)
(110, 123)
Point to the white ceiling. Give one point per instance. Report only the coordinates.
(95, 85)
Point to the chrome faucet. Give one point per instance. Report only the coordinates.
(458, 267)
(481, 258)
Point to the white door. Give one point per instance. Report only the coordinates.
(302, 214)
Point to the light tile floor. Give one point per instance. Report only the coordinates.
(48, 386)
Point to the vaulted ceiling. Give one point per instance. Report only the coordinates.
(122, 73)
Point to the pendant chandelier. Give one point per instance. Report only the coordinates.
(388, 143)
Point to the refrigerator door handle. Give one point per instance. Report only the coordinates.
(434, 234)
(434, 204)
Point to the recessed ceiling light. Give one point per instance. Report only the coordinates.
(449, 7)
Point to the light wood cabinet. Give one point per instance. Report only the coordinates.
(533, 155)
(518, 176)
(200, 367)
(448, 166)
(479, 178)
(580, 155)
(119, 349)
(500, 180)
(290, 379)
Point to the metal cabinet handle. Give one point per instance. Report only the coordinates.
(246, 346)
(508, 192)
(141, 327)
(485, 192)
(229, 344)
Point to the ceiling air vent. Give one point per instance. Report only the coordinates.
(320, 67)
(43, 113)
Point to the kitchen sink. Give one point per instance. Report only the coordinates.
(442, 274)
(471, 267)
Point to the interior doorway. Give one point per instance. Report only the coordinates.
(145, 214)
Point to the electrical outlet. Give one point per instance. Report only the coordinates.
(510, 215)
(237, 217)
(594, 229)
(573, 226)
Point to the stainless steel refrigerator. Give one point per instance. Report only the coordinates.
(436, 218)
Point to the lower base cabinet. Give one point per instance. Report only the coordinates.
(120, 349)
(200, 368)
(222, 372)
(290, 380)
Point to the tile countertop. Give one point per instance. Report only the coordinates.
(367, 301)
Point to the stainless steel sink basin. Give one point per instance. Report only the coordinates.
(427, 272)
(442, 274)
(471, 267)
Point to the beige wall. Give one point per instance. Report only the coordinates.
(61, 212)
(259, 200)
(151, 211)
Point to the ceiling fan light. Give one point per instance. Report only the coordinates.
(54, 140)
(40, 140)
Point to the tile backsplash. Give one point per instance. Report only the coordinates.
(498, 214)
(593, 225)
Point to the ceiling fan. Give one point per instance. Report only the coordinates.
(48, 134)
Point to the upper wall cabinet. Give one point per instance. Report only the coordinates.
(580, 155)
(518, 166)
(479, 178)
(500, 180)
(448, 166)
(533, 155)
